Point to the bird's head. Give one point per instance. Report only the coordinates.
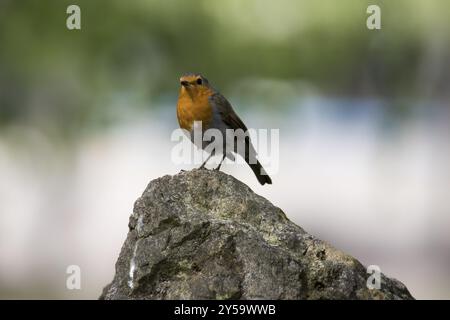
(194, 84)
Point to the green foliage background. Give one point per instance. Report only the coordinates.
(135, 51)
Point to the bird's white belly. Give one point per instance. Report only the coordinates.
(217, 129)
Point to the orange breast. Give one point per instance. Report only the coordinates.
(194, 106)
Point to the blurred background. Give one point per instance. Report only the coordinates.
(86, 117)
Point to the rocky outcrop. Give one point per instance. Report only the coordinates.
(205, 235)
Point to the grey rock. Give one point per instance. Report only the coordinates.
(205, 235)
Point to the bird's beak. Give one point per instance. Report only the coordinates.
(184, 83)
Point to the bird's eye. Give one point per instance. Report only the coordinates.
(199, 81)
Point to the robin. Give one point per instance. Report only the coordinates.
(199, 101)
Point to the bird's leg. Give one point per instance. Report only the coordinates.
(203, 165)
(220, 164)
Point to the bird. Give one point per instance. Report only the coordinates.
(199, 101)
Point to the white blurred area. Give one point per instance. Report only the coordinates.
(379, 193)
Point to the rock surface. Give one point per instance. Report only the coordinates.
(205, 235)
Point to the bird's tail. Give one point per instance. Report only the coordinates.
(255, 165)
(260, 173)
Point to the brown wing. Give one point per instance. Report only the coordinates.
(227, 113)
(231, 119)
